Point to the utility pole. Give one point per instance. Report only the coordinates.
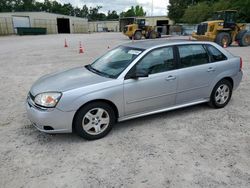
(152, 7)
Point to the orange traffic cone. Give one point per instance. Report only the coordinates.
(65, 44)
(225, 45)
(80, 48)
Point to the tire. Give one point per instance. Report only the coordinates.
(222, 38)
(152, 35)
(94, 120)
(138, 35)
(221, 94)
(240, 34)
(245, 39)
(130, 38)
(159, 35)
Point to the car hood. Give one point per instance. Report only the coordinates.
(67, 80)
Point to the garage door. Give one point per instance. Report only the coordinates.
(99, 27)
(21, 21)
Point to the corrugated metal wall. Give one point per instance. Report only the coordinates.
(50, 24)
(98, 26)
(6, 26)
(79, 26)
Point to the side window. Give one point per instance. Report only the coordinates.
(156, 61)
(191, 55)
(216, 55)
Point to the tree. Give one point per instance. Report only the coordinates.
(85, 11)
(203, 10)
(5, 6)
(112, 15)
(176, 9)
(197, 13)
(243, 9)
(95, 15)
(133, 11)
(139, 11)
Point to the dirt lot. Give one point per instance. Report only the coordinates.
(192, 147)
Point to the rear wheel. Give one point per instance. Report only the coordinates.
(221, 94)
(138, 35)
(245, 39)
(223, 38)
(152, 35)
(94, 120)
(158, 35)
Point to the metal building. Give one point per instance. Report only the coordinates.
(103, 26)
(54, 23)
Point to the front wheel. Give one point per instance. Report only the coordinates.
(221, 94)
(138, 35)
(223, 38)
(94, 120)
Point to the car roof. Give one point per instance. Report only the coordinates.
(146, 44)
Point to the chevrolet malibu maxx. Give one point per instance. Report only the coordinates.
(133, 80)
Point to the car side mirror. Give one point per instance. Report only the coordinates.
(139, 74)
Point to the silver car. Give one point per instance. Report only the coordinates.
(130, 81)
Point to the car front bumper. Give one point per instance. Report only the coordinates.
(50, 120)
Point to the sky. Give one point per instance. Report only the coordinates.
(159, 6)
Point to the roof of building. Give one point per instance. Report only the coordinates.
(28, 13)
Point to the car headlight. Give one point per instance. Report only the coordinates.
(49, 99)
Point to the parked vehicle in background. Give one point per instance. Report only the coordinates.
(139, 29)
(223, 30)
(130, 81)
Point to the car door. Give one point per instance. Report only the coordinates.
(195, 73)
(156, 91)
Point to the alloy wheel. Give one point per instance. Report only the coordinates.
(95, 121)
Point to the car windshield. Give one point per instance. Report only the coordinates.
(114, 62)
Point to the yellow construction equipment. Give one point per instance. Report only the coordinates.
(139, 29)
(223, 29)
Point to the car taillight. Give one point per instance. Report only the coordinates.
(241, 63)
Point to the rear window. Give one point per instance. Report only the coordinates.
(192, 55)
(216, 55)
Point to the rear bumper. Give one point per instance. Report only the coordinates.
(59, 121)
(237, 79)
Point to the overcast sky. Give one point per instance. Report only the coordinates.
(159, 6)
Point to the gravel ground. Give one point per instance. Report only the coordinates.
(192, 147)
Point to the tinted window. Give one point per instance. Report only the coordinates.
(216, 55)
(156, 61)
(191, 55)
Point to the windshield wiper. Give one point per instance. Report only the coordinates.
(90, 68)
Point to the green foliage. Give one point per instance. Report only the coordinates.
(195, 11)
(133, 12)
(244, 10)
(176, 9)
(112, 15)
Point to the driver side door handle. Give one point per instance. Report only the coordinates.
(169, 78)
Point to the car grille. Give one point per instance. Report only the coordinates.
(202, 29)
